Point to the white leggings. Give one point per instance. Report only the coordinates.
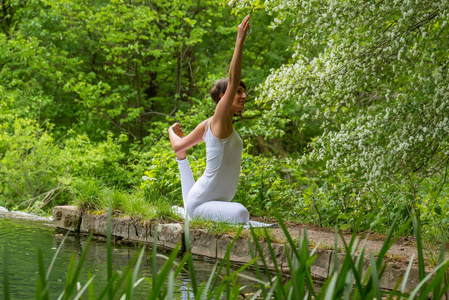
(224, 211)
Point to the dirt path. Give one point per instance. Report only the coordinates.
(401, 251)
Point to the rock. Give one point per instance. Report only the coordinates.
(120, 227)
(320, 267)
(240, 252)
(94, 223)
(169, 235)
(203, 243)
(140, 232)
(393, 272)
(67, 217)
(280, 255)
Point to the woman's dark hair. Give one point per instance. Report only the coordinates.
(220, 87)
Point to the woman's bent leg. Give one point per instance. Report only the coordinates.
(222, 211)
(187, 180)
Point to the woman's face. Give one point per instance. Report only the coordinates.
(239, 100)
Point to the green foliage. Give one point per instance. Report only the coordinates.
(31, 170)
(102, 160)
(89, 90)
(267, 184)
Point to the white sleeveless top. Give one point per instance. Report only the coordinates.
(221, 177)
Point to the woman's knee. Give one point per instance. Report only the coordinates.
(242, 214)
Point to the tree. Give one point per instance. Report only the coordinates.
(376, 74)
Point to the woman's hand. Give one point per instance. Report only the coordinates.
(243, 28)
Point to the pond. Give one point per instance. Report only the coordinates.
(22, 239)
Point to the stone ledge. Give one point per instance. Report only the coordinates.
(208, 245)
(67, 218)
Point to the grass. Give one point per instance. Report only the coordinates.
(347, 280)
(215, 228)
(134, 204)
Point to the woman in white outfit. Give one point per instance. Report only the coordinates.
(210, 196)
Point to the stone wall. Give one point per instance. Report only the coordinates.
(208, 245)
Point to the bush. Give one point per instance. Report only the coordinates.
(31, 168)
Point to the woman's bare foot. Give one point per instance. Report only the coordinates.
(177, 129)
(175, 133)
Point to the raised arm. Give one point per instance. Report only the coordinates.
(221, 123)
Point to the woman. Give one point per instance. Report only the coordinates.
(209, 197)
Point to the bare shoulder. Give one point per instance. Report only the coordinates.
(201, 128)
(203, 124)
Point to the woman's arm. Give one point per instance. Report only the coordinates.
(221, 123)
(181, 143)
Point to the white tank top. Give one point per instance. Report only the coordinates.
(223, 160)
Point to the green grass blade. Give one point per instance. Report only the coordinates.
(294, 282)
(440, 277)
(287, 234)
(109, 250)
(83, 289)
(254, 279)
(56, 255)
(309, 262)
(334, 267)
(417, 231)
(407, 273)
(348, 262)
(218, 292)
(170, 285)
(256, 295)
(228, 286)
(163, 273)
(209, 281)
(109, 286)
(227, 254)
(124, 276)
(273, 286)
(423, 282)
(257, 269)
(42, 285)
(154, 255)
(445, 288)
(181, 265)
(190, 258)
(276, 267)
(70, 272)
(375, 277)
(128, 288)
(389, 241)
(259, 250)
(244, 267)
(436, 283)
(331, 287)
(138, 264)
(91, 291)
(349, 282)
(74, 279)
(135, 274)
(6, 294)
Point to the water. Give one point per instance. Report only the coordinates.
(23, 238)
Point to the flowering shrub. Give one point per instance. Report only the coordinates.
(376, 74)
